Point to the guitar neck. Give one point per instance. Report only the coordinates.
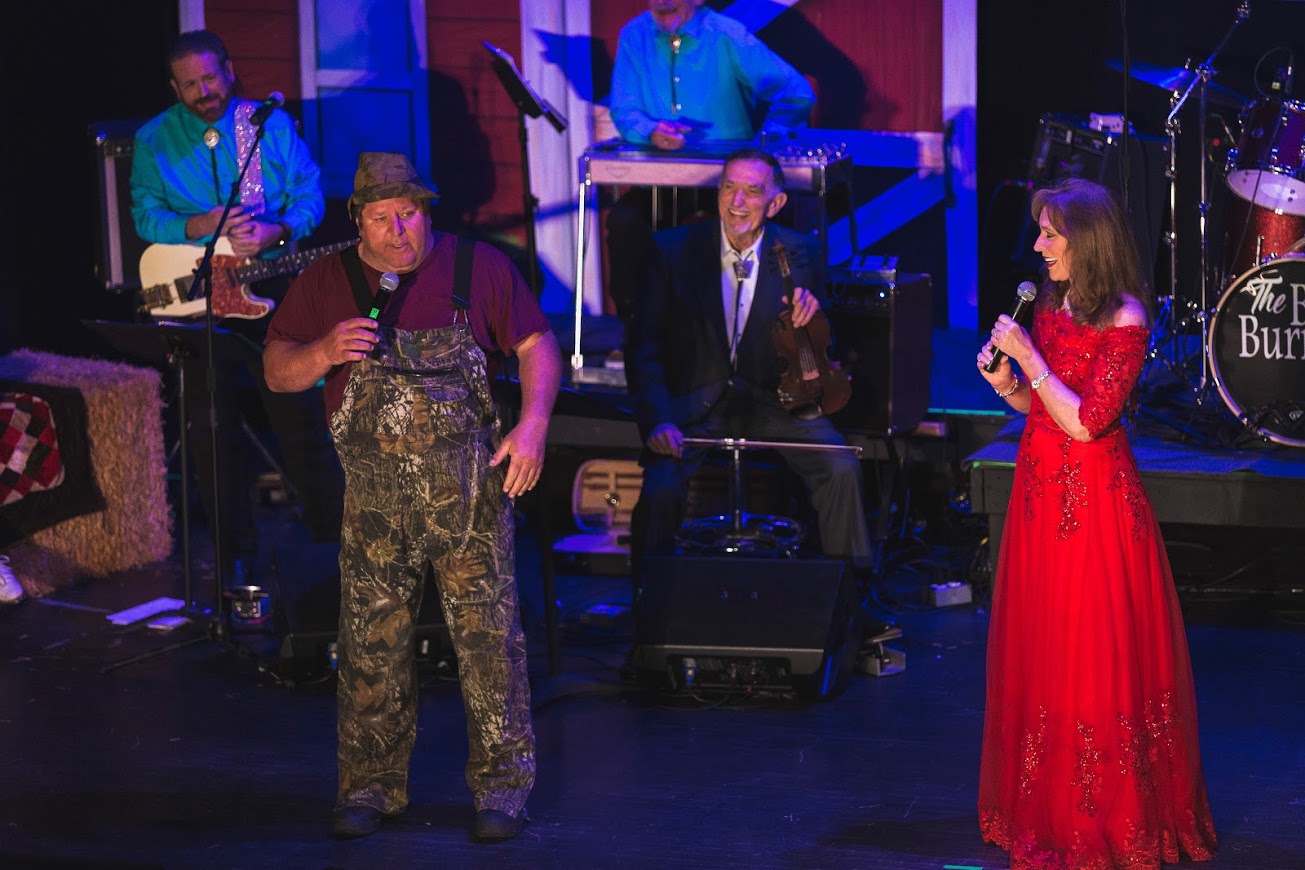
(261, 270)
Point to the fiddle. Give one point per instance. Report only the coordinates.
(811, 383)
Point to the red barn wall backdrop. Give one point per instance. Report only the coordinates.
(262, 37)
(875, 64)
(475, 155)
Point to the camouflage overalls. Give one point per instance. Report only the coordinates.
(415, 434)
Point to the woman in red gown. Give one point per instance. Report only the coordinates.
(1090, 754)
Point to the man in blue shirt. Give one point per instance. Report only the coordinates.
(184, 163)
(179, 184)
(687, 76)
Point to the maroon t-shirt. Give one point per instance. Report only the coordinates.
(503, 310)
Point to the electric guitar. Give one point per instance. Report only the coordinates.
(168, 271)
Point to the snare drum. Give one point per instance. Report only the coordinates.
(1266, 167)
(1253, 235)
(1257, 349)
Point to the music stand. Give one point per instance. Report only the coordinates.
(168, 344)
(529, 104)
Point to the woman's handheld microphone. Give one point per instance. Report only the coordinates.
(1024, 296)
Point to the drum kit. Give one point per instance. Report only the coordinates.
(1252, 340)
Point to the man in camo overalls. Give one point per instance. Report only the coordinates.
(429, 478)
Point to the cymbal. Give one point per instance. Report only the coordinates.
(1176, 79)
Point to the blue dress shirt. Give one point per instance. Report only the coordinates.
(172, 174)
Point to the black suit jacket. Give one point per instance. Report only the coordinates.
(677, 357)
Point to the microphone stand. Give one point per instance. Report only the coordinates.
(204, 280)
(217, 627)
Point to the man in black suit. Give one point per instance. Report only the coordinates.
(702, 363)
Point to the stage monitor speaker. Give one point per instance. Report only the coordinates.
(119, 247)
(306, 609)
(882, 324)
(735, 624)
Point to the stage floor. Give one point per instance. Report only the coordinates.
(206, 758)
(201, 758)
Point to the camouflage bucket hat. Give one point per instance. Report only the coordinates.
(385, 175)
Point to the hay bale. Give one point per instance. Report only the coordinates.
(38, 568)
(124, 411)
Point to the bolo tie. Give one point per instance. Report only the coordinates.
(675, 52)
(211, 139)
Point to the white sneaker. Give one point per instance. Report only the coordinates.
(10, 589)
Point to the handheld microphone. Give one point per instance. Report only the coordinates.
(274, 101)
(389, 282)
(1025, 294)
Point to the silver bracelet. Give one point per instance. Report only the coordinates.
(1012, 391)
(1037, 382)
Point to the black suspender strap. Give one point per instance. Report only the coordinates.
(362, 294)
(462, 259)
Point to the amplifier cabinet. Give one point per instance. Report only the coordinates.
(119, 248)
(882, 326)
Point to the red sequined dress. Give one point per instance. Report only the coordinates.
(1090, 755)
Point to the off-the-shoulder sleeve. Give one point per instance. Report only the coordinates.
(1114, 372)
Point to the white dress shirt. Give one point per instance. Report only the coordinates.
(736, 296)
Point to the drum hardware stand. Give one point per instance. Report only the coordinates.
(1166, 319)
(1289, 416)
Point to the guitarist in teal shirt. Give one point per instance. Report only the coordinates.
(184, 163)
(175, 195)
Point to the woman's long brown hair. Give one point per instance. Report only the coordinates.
(1102, 254)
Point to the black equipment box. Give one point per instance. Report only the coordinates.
(882, 323)
(738, 624)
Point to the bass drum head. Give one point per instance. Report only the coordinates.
(1257, 349)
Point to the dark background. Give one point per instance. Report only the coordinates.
(1037, 58)
(62, 69)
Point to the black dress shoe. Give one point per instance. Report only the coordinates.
(355, 821)
(496, 826)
